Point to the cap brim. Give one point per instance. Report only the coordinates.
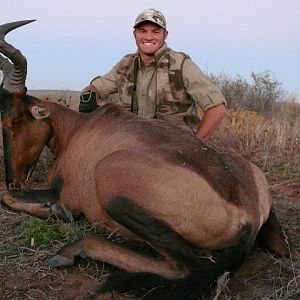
(148, 21)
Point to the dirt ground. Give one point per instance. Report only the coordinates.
(26, 275)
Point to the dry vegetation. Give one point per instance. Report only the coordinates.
(66, 98)
(271, 141)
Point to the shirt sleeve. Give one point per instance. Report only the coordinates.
(106, 84)
(205, 94)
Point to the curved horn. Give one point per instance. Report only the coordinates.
(14, 74)
(6, 67)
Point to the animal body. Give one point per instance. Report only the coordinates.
(199, 208)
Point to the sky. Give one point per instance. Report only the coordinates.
(71, 42)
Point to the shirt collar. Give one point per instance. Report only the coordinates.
(158, 54)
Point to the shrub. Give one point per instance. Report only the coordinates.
(259, 94)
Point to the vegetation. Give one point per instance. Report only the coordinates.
(258, 94)
(263, 122)
(66, 98)
(7, 250)
(37, 233)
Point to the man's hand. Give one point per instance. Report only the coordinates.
(88, 99)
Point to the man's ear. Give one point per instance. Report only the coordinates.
(166, 34)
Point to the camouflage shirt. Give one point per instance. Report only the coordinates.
(172, 88)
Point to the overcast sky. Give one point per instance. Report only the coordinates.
(73, 41)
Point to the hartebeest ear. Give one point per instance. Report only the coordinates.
(40, 112)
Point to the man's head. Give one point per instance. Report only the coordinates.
(150, 32)
(151, 15)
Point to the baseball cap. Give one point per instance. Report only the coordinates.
(151, 15)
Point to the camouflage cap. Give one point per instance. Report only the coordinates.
(151, 15)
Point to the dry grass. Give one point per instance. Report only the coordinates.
(66, 98)
(270, 143)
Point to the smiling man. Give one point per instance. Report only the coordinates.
(158, 82)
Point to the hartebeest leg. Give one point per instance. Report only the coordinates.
(272, 236)
(102, 250)
(39, 203)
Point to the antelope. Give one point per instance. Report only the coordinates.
(198, 207)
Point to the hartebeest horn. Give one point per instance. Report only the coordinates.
(14, 74)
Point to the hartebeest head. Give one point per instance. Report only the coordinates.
(18, 113)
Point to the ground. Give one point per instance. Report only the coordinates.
(24, 274)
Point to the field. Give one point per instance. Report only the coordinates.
(26, 242)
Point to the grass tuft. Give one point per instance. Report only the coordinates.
(38, 234)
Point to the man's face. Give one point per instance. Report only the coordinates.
(149, 38)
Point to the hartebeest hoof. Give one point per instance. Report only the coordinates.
(36, 203)
(60, 261)
(61, 212)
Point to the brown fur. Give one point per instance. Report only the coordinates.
(205, 196)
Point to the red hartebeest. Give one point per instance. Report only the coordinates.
(198, 207)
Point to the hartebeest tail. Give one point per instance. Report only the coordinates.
(198, 208)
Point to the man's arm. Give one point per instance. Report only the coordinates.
(207, 96)
(210, 121)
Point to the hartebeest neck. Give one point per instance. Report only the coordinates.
(64, 123)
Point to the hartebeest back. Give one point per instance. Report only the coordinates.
(198, 207)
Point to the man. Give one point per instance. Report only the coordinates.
(157, 82)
